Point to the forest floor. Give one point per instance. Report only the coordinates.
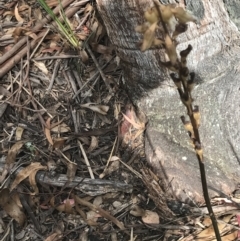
(72, 163)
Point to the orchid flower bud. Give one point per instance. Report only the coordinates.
(151, 15)
(183, 15)
(171, 49)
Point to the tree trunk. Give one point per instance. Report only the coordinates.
(215, 61)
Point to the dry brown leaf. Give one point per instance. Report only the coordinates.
(11, 157)
(23, 8)
(17, 15)
(58, 143)
(98, 201)
(41, 66)
(230, 237)
(31, 34)
(19, 132)
(93, 144)
(11, 13)
(54, 237)
(209, 234)
(37, 13)
(9, 205)
(92, 216)
(32, 179)
(62, 128)
(18, 32)
(48, 132)
(26, 172)
(12, 153)
(84, 56)
(137, 211)
(21, 31)
(150, 217)
(52, 3)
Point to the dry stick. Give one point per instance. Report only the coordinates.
(98, 66)
(16, 58)
(56, 67)
(9, 65)
(90, 79)
(197, 140)
(86, 160)
(39, 115)
(64, 56)
(42, 34)
(68, 75)
(101, 211)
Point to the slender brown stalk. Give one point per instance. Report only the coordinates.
(184, 83)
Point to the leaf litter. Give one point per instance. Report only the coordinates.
(72, 161)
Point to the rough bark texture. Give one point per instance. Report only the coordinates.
(215, 60)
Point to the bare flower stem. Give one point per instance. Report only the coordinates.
(184, 80)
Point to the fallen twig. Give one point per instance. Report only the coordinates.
(9, 59)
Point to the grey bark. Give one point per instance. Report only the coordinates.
(215, 60)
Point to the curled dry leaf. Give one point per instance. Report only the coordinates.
(148, 217)
(209, 234)
(41, 66)
(12, 153)
(11, 157)
(9, 205)
(28, 171)
(92, 215)
(21, 31)
(17, 15)
(137, 211)
(93, 144)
